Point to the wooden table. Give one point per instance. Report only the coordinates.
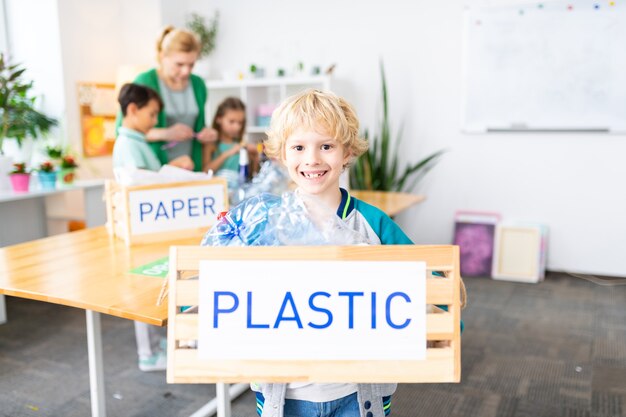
(89, 269)
(390, 202)
(23, 215)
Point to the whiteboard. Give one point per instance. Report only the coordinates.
(555, 66)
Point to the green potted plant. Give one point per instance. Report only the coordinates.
(18, 117)
(207, 33)
(256, 72)
(46, 175)
(54, 152)
(379, 167)
(20, 177)
(67, 168)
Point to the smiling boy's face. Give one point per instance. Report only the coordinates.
(315, 161)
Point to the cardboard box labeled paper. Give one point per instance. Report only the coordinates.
(156, 212)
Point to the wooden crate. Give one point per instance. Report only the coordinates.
(121, 214)
(443, 354)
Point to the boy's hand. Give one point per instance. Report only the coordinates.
(183, 161)
(207, 135)
(179, 132)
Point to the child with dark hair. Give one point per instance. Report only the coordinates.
(230, 124)
(140, 107)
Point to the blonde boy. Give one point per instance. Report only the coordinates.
(316, 136)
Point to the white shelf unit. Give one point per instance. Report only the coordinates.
(259, 91)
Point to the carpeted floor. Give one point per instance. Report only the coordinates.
(553, 349)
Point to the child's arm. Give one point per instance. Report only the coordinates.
(216, 163)
(253, 157)
(207, 154)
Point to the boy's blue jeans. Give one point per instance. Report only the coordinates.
(347, 406)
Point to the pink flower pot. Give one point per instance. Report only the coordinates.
(20, 182)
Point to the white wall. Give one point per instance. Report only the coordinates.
(570, 182)
(98, 36)
(38, 50)
(62, 42)
(4, 34)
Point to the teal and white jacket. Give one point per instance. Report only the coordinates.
(379, 229)
(370, 221)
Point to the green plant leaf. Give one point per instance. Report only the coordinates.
(207, 32)
(16, 74)
(379, 167)
(420, 169)
(18, 115)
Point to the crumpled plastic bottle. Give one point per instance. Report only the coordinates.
(268, 220)
(245, 224)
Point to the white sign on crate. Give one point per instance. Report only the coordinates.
(167, 209)
(312, 310)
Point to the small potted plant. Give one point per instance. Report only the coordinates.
(54, 152)
(20, 177)
(66, 172)
(46, 175)
(257, 72)
(19, 117)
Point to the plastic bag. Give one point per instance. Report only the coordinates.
(268, 220)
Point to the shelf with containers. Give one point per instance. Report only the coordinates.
(261, 96)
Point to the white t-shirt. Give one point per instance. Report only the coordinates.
(319, 393)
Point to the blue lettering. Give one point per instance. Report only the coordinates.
(351, 296)
(208, 204)
(142, 211)
(288, 299)
(177, 207)
(161, 212)
(193, 207)
(388, 310)
(249, 321)
(373, 310)
(321, 310)
(217, 310)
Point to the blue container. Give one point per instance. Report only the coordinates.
(263, 121)
(47, 180)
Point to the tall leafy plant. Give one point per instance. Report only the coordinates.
(379, 167)
(207, 32)
(18, 116)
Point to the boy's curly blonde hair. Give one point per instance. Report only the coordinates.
(319, 111)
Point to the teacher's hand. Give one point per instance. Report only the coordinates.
(179, 132)
(207, 135)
